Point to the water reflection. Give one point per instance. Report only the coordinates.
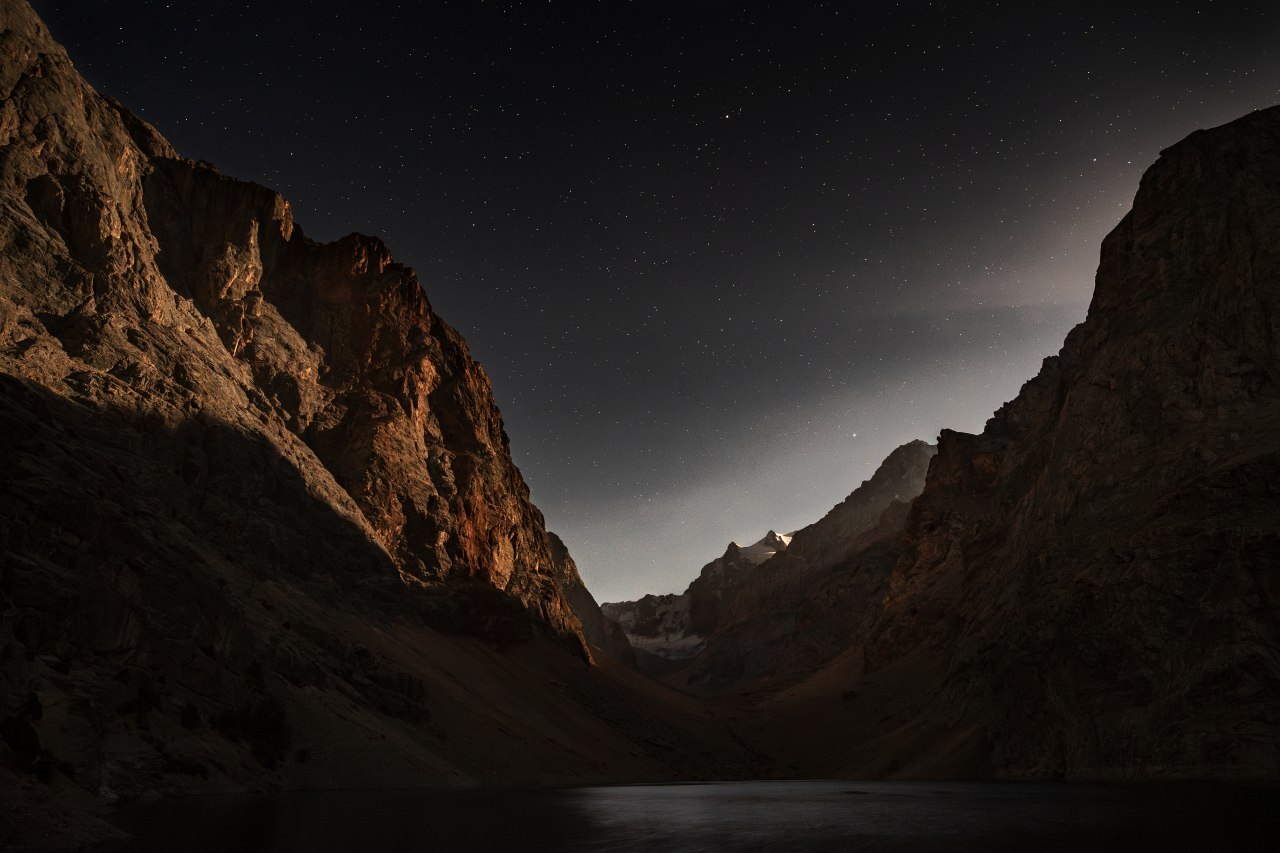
(860, 816)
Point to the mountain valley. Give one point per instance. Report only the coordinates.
(261, 527)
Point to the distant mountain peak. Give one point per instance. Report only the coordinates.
(775, 540)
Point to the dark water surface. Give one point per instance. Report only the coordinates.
(852, 816)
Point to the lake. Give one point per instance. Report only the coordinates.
(819, 815)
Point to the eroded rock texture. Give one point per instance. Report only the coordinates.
(1097, 575)
(237, 465)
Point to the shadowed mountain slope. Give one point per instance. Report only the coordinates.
(801, 607)
(260, 522)
(1089, 588)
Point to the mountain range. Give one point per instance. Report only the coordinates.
(675, 627)
(261, 527)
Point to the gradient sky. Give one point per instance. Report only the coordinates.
(718, 258)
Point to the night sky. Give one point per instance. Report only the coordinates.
(718, 258)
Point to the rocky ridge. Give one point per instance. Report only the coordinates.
(674, 627)
(776, 610)
(259, 517)
(154, 284)
(603, 633)
(1090, 588)
(798, 609)
(1099, 568)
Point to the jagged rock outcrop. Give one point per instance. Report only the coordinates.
(255, 497)
(803, 606)
(900, 477)
(718, 582)
(600, 631)
(137, 277)
(1091, 587)
(673, 627)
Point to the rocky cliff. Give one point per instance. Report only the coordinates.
(1091, 586)
(602, 632)
(1102, 563)
(255, 496)
(674, 627)
(804, 605)
(142, 282)
(774, 611)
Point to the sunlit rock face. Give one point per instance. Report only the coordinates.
(1096, 576)
(232, 455)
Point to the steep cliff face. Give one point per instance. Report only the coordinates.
(1096, 575)
(199, 293)
(804, 605)
(600, 631)
(248, 480)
